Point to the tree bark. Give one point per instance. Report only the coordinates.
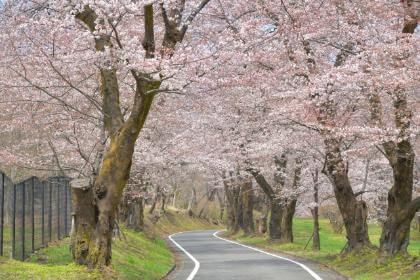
(136, 215)
(290, 205)
(229, 206)
(276, 207)
(85, 217)
(155, 200)
(221, 204)
(287, 222)
(418, 222)
(262, 224)
(316, 244)
(237, 209)
(276, 216)
(162, 203)
(354, 212)
(396, 229)
(247, 196)
(192, 202)
(174, 199)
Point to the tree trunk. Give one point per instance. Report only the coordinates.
(229, 208)
(141, 213)
(136, 215)
(162, 202)
(192, 202)
(276, 215)
(395, 235)
(316, 244)
(84, 215)
(287, 222)
(247, 196)
(221, 204)
(174, 199)
(95, 214)
(401, 208)
(290, 206)
(418, 222)
(237, 208)
(396, 230)
(107, 192)
(262, 228)
(154, 201)
(354, 212)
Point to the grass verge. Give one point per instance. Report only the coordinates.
(361, 267)
(136, 255)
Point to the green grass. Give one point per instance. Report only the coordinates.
(360, 267)
(136, 255)
(178, 220)
(140, 257)
(53, 262)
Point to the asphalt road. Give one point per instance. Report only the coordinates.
(204, 256)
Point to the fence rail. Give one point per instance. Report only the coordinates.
(33, 213)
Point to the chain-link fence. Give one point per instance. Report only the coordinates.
(33, 213)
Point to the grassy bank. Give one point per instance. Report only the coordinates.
(366, 266)
(143, 256)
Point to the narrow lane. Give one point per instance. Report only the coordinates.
(206, 257)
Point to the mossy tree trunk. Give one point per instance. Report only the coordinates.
(95, 210)
(91, 244)
(287, 222)
(247, 196)
(85, 217)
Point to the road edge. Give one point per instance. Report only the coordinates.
(196, 263)
(307, 269)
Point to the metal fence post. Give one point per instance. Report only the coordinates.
(43, 214)
(50, 213)
(58, 208)
(71, 208)
(2, 214)
(33, 213)
(14, 223)
(65, 208)
(23, 219)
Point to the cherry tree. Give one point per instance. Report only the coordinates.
(98, 51)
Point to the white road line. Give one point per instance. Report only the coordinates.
(312, 273)
(196, 263)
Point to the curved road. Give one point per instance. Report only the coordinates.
(205, 256)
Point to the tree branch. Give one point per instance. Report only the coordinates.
(113, 117)
(413, 206)
(262, 182)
